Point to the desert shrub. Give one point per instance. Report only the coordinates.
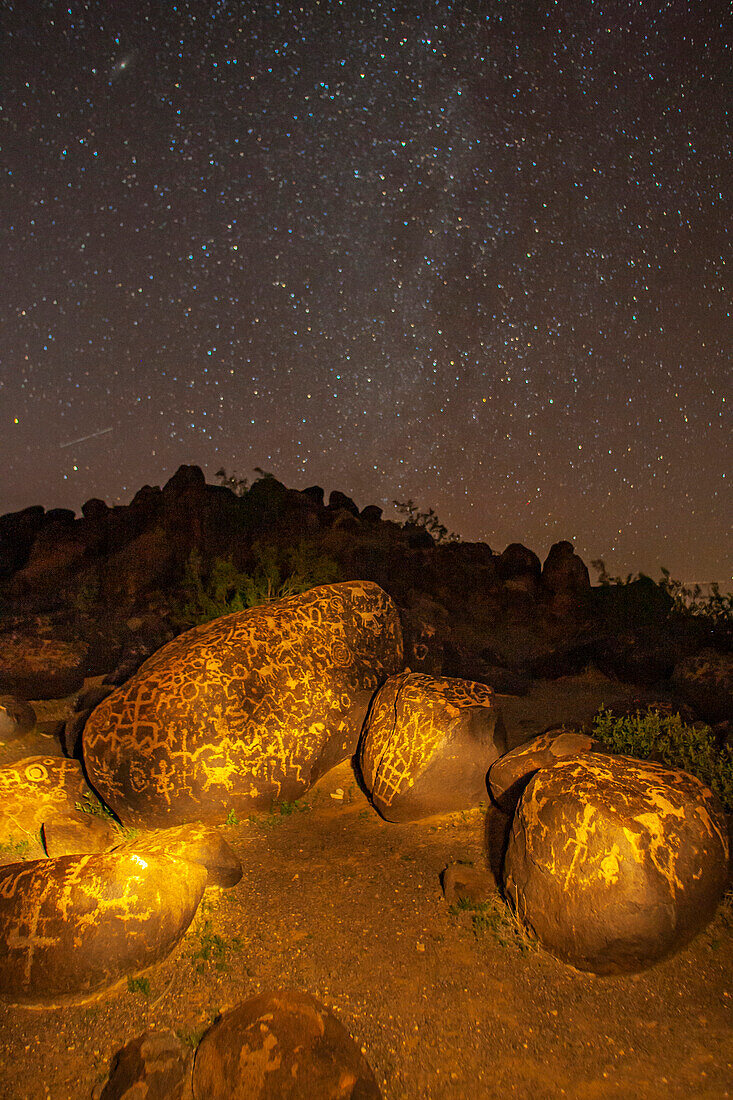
(429, 520)
(667, 738)
(277, 572)
(672, 601)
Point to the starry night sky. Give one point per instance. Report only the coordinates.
(468, 253)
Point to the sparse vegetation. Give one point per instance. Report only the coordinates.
(13, 848)
(213, 948)
(496, 917)
(278, 572)
(232, 819)
(669, 739)
(139, 985)
(284, 809)
(93, 806)
(427, 520)
(191, 1037)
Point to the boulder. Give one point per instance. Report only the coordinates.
(564, 573)
(372, 514)
(518, 561)
(196, 843)
(340, 502)
(706, 683)
(251, 708)
(281, 1046)
(78, 834)
(428, 744)
(75, 926)
(17, 718)
(36, 789)
(613, 863)
(511, 773)
(464, 884)
(154, 1066)
(17, 532)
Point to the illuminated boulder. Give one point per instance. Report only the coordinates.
(245, 710)
(511, 773)
(614, 863)
(34, 790)
(281, 1046)
(196, 843)
(428, 744)
(77, 925)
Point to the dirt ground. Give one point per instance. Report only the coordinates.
(446, 1005)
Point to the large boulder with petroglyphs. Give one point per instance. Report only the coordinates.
(428, 744)
(248, 709)
(75, 926)
(614, 863)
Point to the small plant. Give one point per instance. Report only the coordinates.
(287, 808)
(92, 805)
(139, 985)
(428, 520)
(213, 948)
(495, 916)
(13, 847)
(669, 739)
(191, 1037)
(232, 819)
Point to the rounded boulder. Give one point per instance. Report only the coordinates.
(428, 744)
(74, 926)
(281, 1046)
(614, 863)
(251, 708)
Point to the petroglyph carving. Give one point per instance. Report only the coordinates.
(614, 862)
(428, 744)
(248, 709)
(74, 926)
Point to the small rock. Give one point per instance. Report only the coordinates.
(464, 882)
(74, 834)
(512, 772)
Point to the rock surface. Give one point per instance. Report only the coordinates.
(17, 718)
(198, 844)
(154, 1066)
(428, 744)
(75, 926)
(281, 1046)
(511, 773)
(614, 863)
(36, 789)
(245, 710)
(706, 682)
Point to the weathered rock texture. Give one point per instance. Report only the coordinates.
(614, 863)
(75, 926)
(281, 1046)
(154, 1066)
(509, 775)
(36, 789)
(248, 709)
(197, 843)
(428, 745)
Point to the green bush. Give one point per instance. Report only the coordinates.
(669, 739)
(278, 572)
